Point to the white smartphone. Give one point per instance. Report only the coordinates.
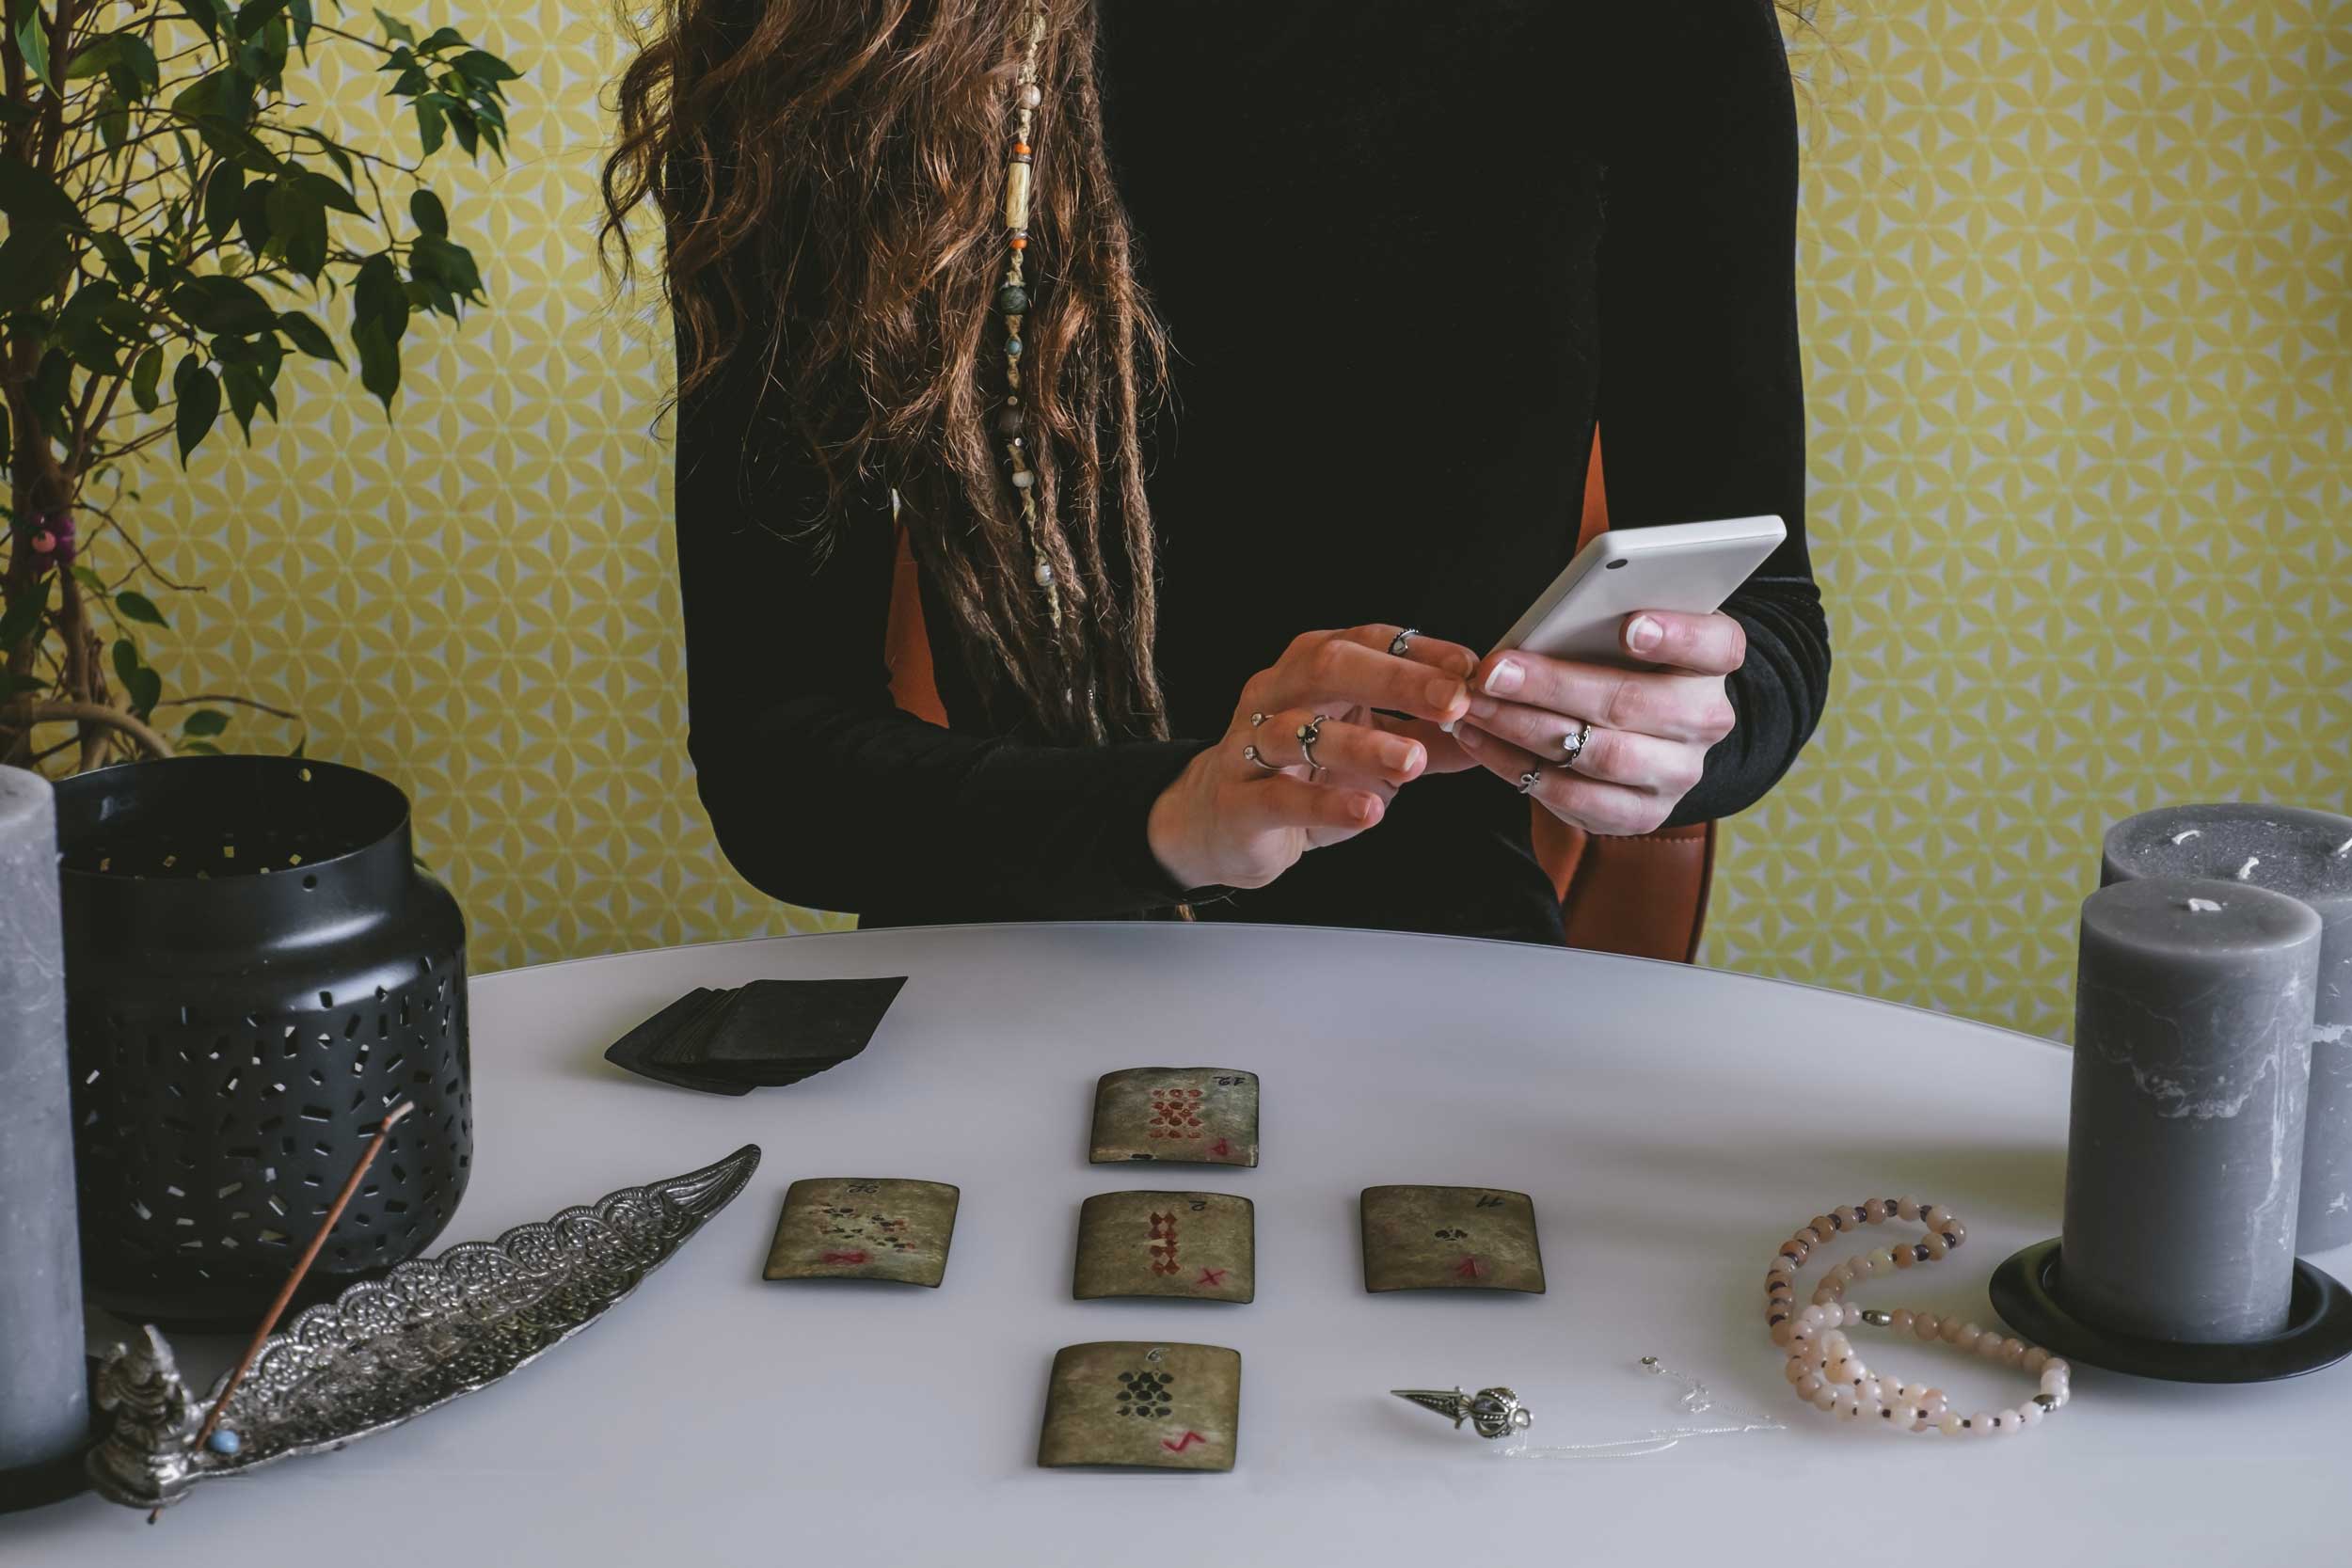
(1688, 567)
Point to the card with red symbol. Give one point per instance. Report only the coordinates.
(1194, 1246)
(1193, 1114)
(1166, 1407)
(1451, 1238)
(864, 1227)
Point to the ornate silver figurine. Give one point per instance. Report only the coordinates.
(1494, 1412)
(387, 1350)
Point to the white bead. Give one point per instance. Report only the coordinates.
(1882, 1259)
(1031, 97)
(2029, 1413)
(1834, 1343)
(1817, 1316)
(1980, 1424)
(1873, 1390)
(1809, 1387)
(1043, 574)
(1949, 1423)
(1023, 479)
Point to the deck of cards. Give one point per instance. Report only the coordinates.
(763, 1035)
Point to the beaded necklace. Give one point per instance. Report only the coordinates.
(1012, 300)
(1822, 1365)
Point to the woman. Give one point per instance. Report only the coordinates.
(1325, 301)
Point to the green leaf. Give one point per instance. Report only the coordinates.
(395, 27)
(226, 305)
(301, 12)
(119, 260)
(198, 393)
(221, 192)
(126, 657)
(432, 217)
(144, 375)
(254, 13)
(429, 124)
(138, 607)
(246, 391)
(92, 584)
(477, 64)
(376, 294)
(145, 689)
(93, 58)
(297, 223)
(32, 198)
(205, 14)
(330, 192)
(306, 335)
(379, 360)
(203, 721)
(32, 42)
(24, 613)
(33, 261)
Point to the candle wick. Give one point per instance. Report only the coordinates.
(2187, 833)
(2201, 906)
(2248, 869)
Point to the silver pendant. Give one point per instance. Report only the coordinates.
(387, 1351)
(1494, 1412)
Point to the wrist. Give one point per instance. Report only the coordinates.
(1166, 829)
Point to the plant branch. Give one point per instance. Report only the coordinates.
(56, 712)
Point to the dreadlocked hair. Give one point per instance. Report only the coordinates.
(828, 175)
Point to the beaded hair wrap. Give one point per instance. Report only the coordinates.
(1012, 300)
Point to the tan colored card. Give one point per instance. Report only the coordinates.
(1194, 1115)
(1168, 1407)
(1451, 1238)
(1195, 1246)
(864, 1227)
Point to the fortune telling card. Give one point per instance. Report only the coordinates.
(1195, 1246)
(1194, 1115)
(864, 1227)
(1168, 1407)
(1451, 1238)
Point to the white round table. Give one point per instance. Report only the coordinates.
(1673, 1126)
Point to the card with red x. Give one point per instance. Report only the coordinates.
(1205, 1116)
(1195, 1246)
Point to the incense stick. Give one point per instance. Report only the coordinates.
(293, 1281)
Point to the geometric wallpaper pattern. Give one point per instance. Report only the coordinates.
(2079, 366)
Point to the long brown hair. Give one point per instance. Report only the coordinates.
(829, 174)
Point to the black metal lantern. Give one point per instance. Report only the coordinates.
(257, 971)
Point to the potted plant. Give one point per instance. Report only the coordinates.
(180, 222)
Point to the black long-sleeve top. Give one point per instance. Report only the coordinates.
(1407, 256)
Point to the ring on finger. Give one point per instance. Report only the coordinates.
(1528, 779)
(1572, 745)
(1256, 719)
(1250, 753)
(1309, 732)
(1402, 641)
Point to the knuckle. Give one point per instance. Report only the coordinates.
(1323, 664)
(1630, 705)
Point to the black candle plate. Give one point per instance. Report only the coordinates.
(2024, 1292)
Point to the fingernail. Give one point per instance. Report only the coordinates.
(1414, 758)
(1442, 693)
(1504, 678)
(1641, 634)
(1363, 808)
(1469, 739)
(1484, 707)
(1462, 664)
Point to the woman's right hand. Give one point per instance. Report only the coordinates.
(1228, 820)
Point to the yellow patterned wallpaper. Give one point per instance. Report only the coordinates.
(2074, 280)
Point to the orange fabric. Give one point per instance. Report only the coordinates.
(1646, 895)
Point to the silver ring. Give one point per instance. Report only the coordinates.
(1527, 780)
(1309, 732)
(1252, 754)
(1402, 641)
(1492, 1412)
(1574, 744)
(1256, 719)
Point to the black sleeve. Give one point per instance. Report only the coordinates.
(821, 791)
(1701, 395)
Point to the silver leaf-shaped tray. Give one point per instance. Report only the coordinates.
(388, 1349)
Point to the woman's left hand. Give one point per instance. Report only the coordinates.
(1652, 729)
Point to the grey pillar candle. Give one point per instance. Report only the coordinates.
(2185, 1146)
(2306, 855)
(44, 1413)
